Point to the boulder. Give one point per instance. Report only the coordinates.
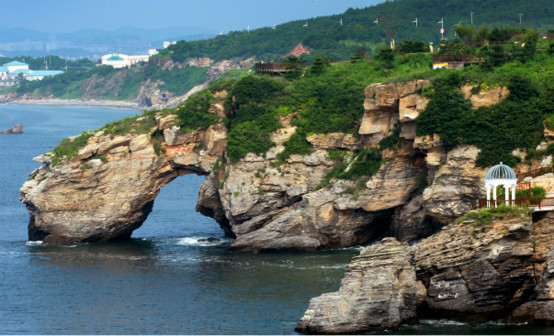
(16, 129)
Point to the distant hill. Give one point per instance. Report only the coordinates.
(93, 42)
(326, 35)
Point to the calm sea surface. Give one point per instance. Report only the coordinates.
(163, 281)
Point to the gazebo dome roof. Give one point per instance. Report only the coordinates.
(500, 172)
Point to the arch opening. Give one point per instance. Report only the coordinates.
(175, 214)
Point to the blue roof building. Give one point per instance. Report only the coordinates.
(15, 63)
(40, 74)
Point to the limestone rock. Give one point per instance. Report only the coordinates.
(378, 292)
(409, 222)
(334, 141)
(486, 98)
(16, 129)
(456, 187)
(477, 273)
(165, 122)
(110, 200)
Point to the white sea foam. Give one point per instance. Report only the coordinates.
(33, 243)
(202, 241)
(442, 322)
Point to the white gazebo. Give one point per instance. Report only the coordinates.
(500, 175)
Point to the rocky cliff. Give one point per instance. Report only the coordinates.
(107, 190)
(468, 271)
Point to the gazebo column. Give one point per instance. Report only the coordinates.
(494, 195)
(507, 194)
(514, 194)
(488, 196)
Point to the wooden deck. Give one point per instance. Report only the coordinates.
(273, 69)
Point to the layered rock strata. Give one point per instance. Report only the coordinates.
(466, 272)
(107, 190)
(378, 292)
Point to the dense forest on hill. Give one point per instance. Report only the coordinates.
(356, 37)
(326, 36)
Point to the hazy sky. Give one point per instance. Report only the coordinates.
(60, 16)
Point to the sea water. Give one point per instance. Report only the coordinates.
(163, 281)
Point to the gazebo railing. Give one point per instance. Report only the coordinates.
(530, 202)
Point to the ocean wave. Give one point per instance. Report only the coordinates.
(443, 322)
(202, 241)
(33, 243)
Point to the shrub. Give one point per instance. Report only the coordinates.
(69, 147)
(193, 114)
(485, 217)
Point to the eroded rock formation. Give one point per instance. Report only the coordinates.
(107, 190)
(466, 271)
(378, 297)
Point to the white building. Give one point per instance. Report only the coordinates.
(167, 44)
(40, 74)
(3, 73)
(10, 72)
(16, 65)
(122, 60)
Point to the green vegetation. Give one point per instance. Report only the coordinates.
(486, 216)
(104, 82)
(325, 35)
(139, 124)
(54, 63)
(69, 148)
(516, 122)
(193, 113)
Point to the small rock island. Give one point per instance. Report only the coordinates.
(16, 129)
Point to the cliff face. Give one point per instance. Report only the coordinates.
(264, 205)
(466, 272)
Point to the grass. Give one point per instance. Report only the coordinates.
(139, 124)
(69, 148)
(486, 216)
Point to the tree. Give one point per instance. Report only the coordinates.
(466, 34)
(318, 66)
(409, 46)
(482, 35)
(386, 56)
(360, 53)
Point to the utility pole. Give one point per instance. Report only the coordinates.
(472, 18)
(520, 15)
(442, 27)
(415, 21)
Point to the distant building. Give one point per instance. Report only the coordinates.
(10, 72)
(3, 73)
(16, 65)
(122, 60)
(40, 74)
(167, 44)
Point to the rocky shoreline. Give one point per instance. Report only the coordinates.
(72, 102)
(456, 269)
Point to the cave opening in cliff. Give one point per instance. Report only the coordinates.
(174, 213)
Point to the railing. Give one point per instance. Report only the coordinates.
(271, 68)
(530, 202)
(535, 173)
(465, 58)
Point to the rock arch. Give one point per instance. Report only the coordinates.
(108, 198)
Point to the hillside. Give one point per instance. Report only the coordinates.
(325, 35)
(182, 66)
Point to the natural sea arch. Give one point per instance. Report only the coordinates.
(174, 212)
